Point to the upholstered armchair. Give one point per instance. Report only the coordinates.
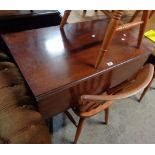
(20, 122)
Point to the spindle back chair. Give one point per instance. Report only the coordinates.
(90, 105)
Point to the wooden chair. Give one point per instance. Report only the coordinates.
(114, 26)
(90, 105)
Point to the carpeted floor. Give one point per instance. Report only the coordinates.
(129, 122)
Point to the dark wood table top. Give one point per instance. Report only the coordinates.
(52, 60)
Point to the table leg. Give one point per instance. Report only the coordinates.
(49, 123)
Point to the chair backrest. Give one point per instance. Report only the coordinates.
(135, 85)
(128, 88)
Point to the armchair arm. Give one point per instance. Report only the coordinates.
(97, 97)
(92, 104)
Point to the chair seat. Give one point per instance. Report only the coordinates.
(94, 109)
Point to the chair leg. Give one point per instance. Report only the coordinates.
(146, 89)
(31, 11)
(64, 18)
(79, 129)
(151, 13)
(145, 18)
(135, 15)
(84, 11)
(110, 32)
(70, 117)
(106, 115)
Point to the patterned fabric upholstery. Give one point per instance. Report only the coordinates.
(19, 120)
